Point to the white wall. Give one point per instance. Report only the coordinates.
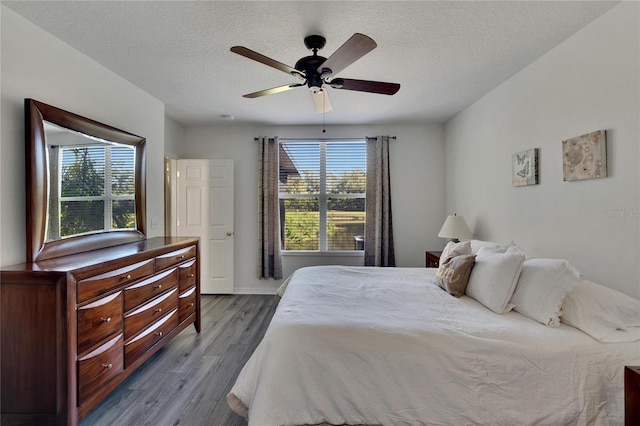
(174, 137)
(587, 83)
(417, 170)
(39, 66)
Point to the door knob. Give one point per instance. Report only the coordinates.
(229, 233)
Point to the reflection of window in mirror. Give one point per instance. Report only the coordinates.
(92, 185)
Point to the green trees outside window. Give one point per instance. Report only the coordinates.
(96, 190)
(322, 191)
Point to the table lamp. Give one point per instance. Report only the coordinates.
(455, 229)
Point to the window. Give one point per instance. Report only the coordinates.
(322, 194)
(95, 189)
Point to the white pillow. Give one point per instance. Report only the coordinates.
(502, 248)
(542, 288)
(455, 249)
(476, 245)
(494, 277)
(603, 313)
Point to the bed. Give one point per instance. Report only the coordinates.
(370, 346)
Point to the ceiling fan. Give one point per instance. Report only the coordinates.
(317, 72)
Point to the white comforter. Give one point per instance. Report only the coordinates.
(356, 345)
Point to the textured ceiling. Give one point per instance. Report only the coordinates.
(445, 54)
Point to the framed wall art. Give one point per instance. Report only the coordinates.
(524, 166)
(585, 156)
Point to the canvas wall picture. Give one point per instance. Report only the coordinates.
(585, 156)
(524, 166)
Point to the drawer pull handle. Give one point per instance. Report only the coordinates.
(159, 334)
(181, 257)
(127, 277)
(108, 319)
(191, 304)
(108, 366)
(158, 310)
(157, 286)
(191, 275)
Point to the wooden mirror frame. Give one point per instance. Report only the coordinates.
(37, 176)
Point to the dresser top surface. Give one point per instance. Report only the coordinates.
(151, 246)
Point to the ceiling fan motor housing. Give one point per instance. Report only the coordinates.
(309, 65)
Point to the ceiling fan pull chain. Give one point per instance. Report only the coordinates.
(324, 115)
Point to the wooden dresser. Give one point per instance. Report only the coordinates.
(632, 395)
(74, 327)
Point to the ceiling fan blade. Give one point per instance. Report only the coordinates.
(352, 50)
(272, 90)
(380, 87)
(320, 99)
(248, 53)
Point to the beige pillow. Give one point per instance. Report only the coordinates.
(453, 274)
(455, 249)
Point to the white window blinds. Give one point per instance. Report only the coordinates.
(322, 194)
(96, 189)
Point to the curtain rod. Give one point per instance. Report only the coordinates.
(324, 139)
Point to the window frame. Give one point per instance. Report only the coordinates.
(323, 198)
(107, 198)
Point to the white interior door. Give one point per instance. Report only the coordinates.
(221, 232)
(205, 209)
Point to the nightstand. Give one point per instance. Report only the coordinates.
(432, 259)
(632, 395)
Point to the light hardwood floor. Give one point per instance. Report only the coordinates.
(186, 382)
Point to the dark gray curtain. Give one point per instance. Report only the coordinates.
(378, 241)
(270, 261)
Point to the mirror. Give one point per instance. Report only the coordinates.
(85, 183)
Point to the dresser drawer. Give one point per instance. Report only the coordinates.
(98, 367)
(187, 274)
(175, 257)
(187, 303)
(98, 320)
(146, 314)
(137, 346)
(146, 289)
(100, 284)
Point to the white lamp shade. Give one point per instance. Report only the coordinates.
(455, 228)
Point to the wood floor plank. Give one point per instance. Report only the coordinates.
(186, 382)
